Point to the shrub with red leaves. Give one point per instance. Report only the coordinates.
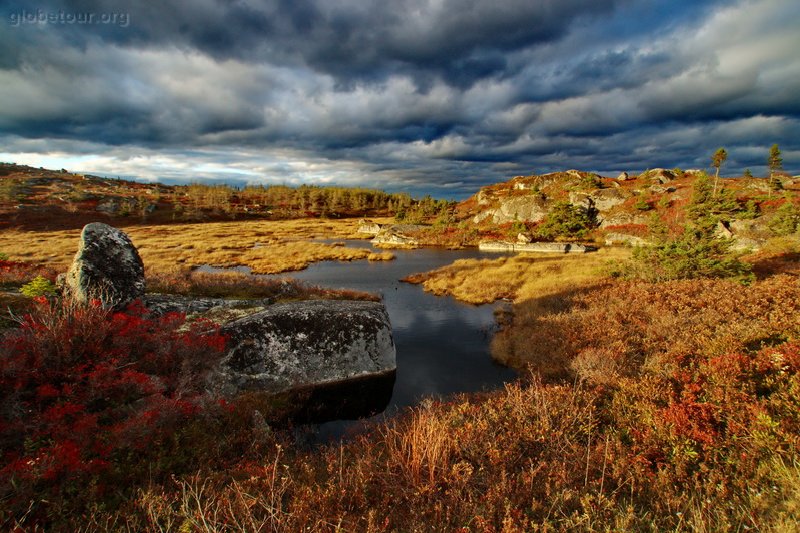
(82, 389)
(14, 273)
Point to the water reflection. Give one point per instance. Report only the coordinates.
(442, 344)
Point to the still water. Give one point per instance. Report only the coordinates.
(442, 344)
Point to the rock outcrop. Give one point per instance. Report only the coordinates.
(624, 218)
(599, 199)
(606, 199)
(660, 175)
(107, 268)
(615, 238)
(368, 227)
(397, 236)
(529, 207)
(306, 344)
(538, 247)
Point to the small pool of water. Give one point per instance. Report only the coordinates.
(442, 344)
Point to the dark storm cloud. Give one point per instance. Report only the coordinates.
(422, 94)
(461, 38)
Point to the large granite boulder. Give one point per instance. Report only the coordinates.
(320, 345)
(107, 268)
(606, 199)
(531, 207)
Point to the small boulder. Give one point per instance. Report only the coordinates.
(660, 175)
(368, 227)
(397, 236)
(107, 267)
(623, 176)
(108, 206)
(723, 231)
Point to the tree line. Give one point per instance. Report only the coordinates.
(283, 201)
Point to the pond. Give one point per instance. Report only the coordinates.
(442, 344)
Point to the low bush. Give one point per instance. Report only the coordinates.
(14, 274)
(566, 221)
(38, 286)
(93, 403)
(239, 285)
(696, 253)
(786, 220)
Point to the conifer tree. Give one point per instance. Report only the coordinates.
(717, 159)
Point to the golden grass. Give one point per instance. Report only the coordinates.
(519, 277)
(265, 246)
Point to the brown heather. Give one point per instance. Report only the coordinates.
(628, 327)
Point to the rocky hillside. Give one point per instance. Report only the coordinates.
(39, 197)
(623, 209)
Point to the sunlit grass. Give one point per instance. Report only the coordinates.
(518, 277)
(265, 246)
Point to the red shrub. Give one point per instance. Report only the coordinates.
(81, 387)
(19, 272)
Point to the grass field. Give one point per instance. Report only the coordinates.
(517, 277)
(265, 246)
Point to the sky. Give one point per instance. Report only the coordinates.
(432, 97)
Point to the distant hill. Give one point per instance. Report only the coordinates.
(38, 198)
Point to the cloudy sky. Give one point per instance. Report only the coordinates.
(424, 96)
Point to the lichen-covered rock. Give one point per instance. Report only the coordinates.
(581, 199)
(368, 227)
(660, 175)
(306, 344)
(622, 218)
(534, 247)
(531, 208)
(108, 206)
(397, 236)
(606, 199)
(106, 267)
